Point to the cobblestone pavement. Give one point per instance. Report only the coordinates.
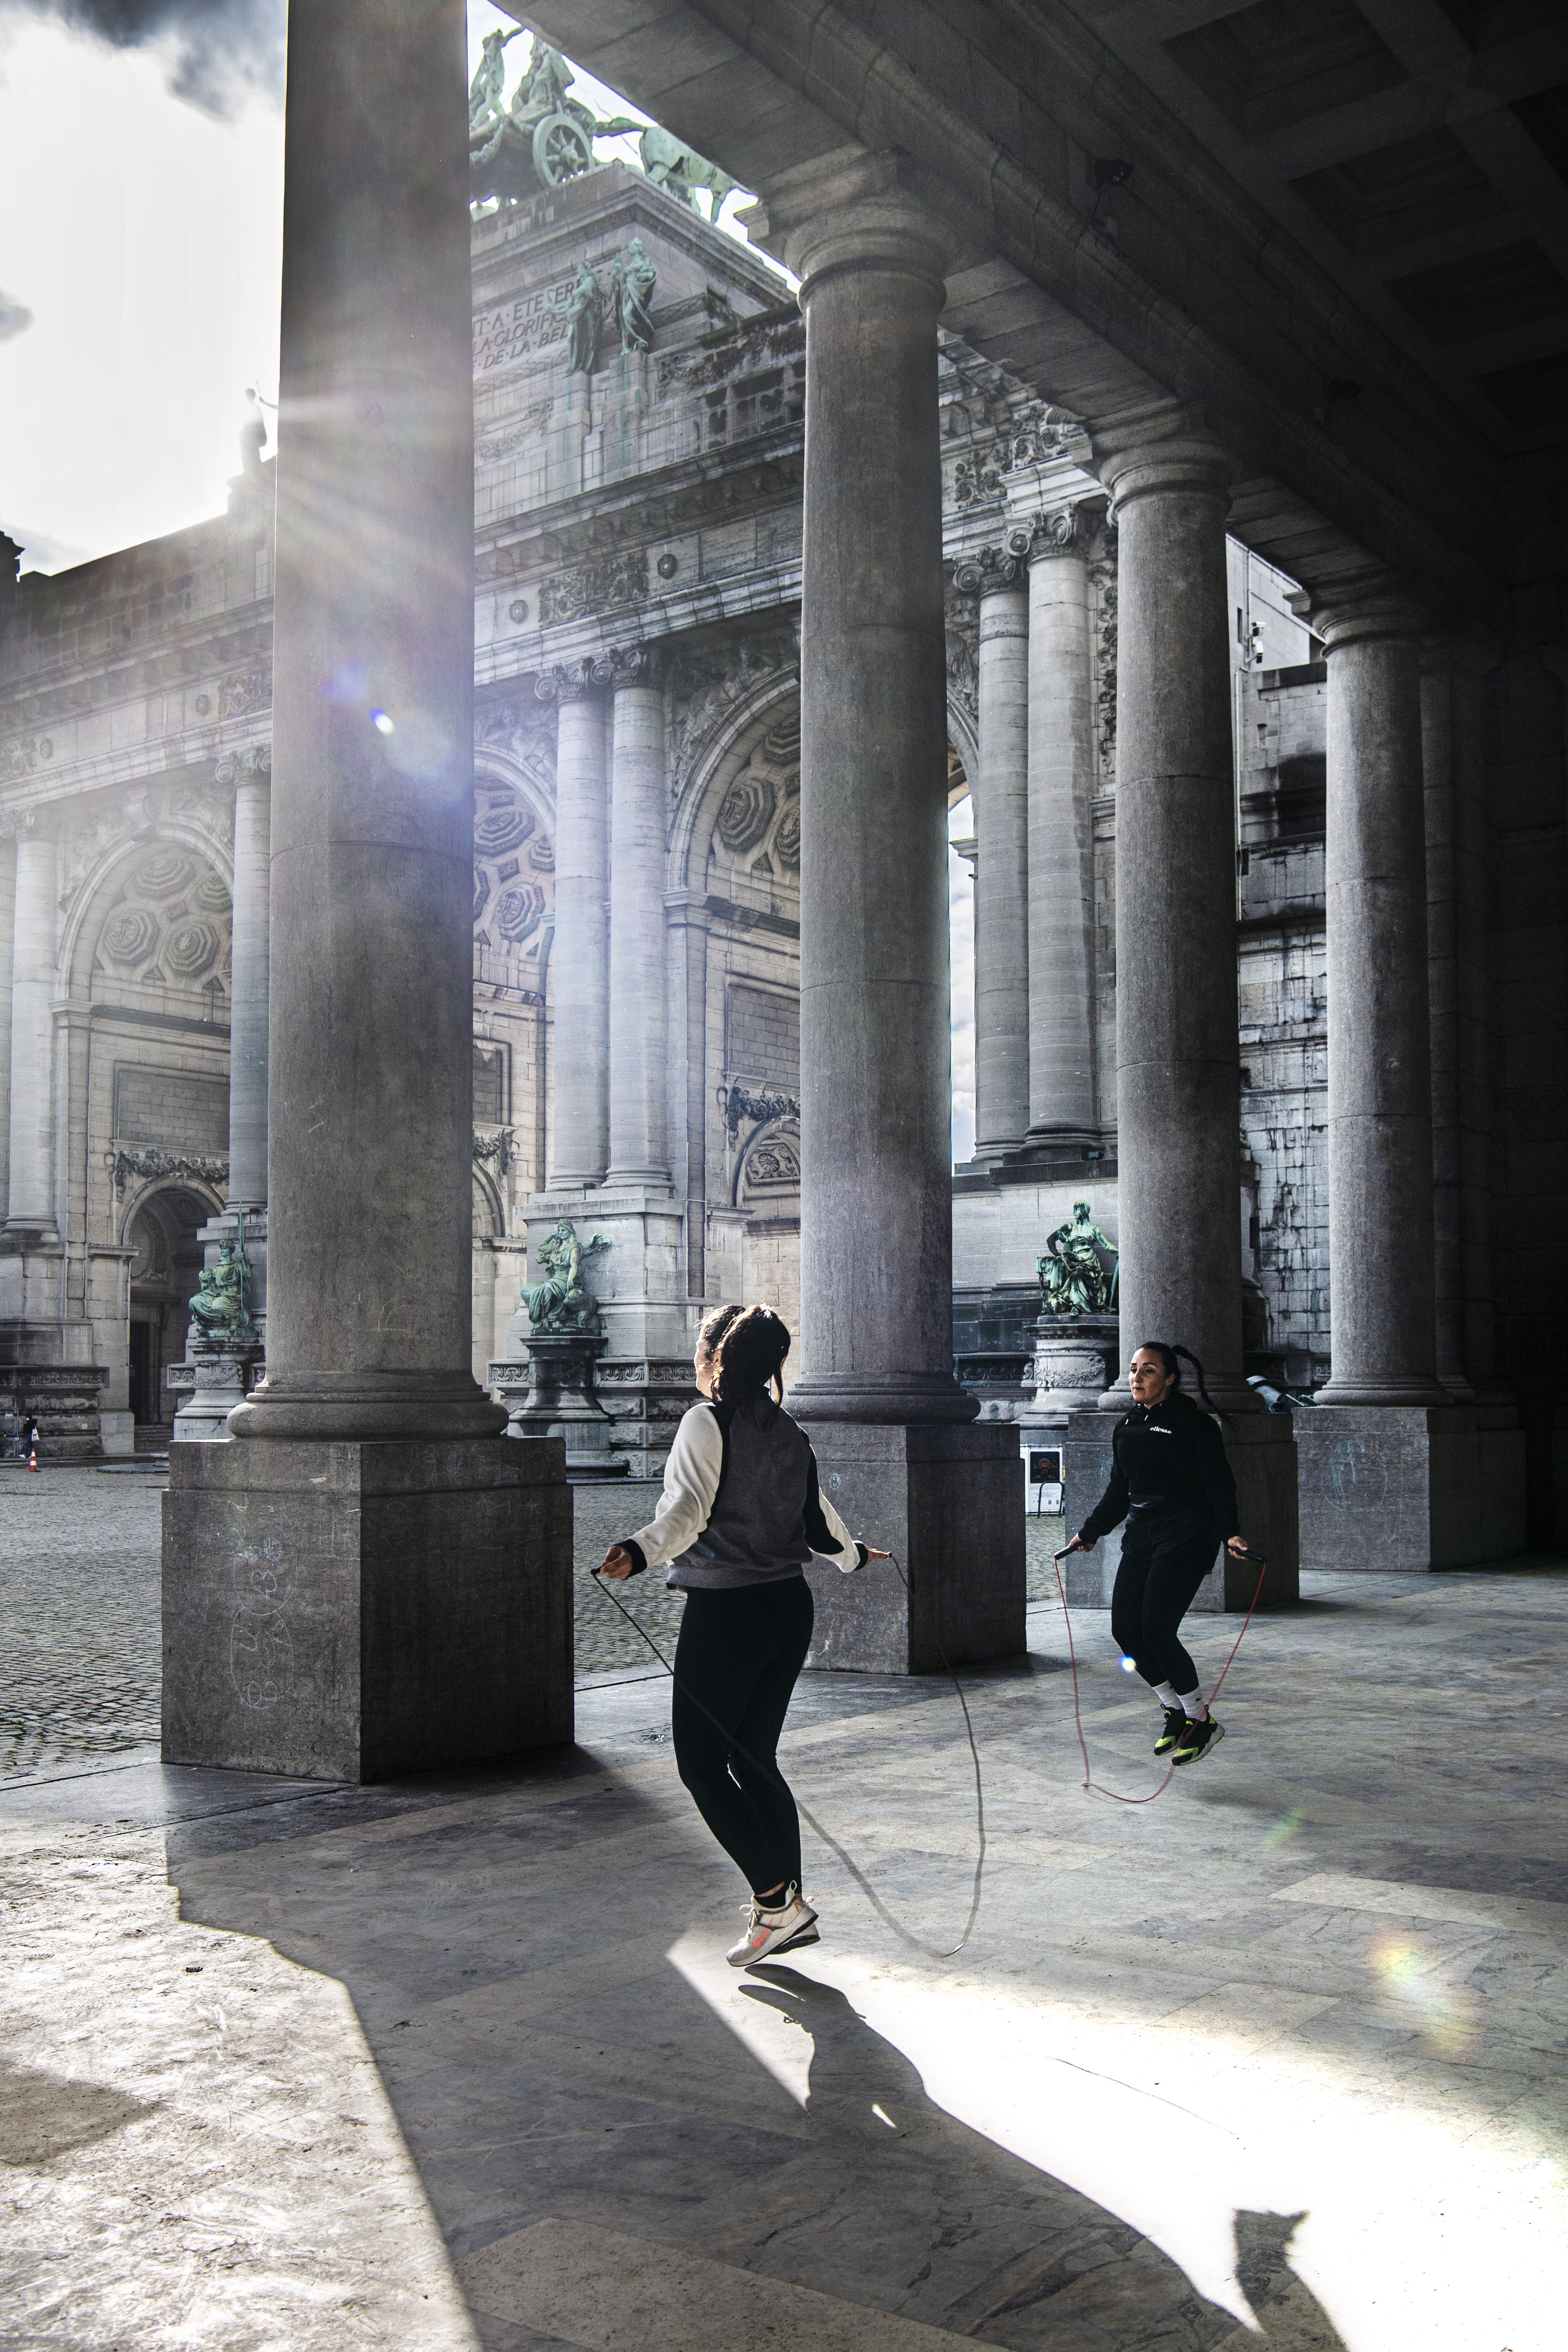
(79, 1610)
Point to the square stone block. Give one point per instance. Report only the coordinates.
(1407, 1489)
(344, 1611)
(949, 1502)
(1262, 1453)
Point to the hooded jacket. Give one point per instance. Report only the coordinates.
(1167, 1462)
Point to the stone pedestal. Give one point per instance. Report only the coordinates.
(1263, 1458)
(219, 1378)
(355, 1612)
(1407, 1488)
(1074, 1359)
(552, 1395)
(948, 1501)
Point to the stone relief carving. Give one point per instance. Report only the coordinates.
(705, 687)
(90, 837)
(252, 762)
(964, 653)
(247, 690)
(500, 1147)
(170, 921)
(513, 889)
(747, 811)
(152, 1164)
(497, 445)
(20, 756)
(738, 1102)
(1102, 584)
(602, 586)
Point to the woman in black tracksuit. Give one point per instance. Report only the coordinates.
(1172, 1484)
(741, 1515)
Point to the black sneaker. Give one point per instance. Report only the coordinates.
(1175, 1724)
(1198, 1740)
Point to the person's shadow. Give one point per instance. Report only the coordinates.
(990, 2247)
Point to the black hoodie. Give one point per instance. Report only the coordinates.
(1167, 1459)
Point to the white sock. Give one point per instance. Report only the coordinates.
(1196, 1711)
(1166, 1696)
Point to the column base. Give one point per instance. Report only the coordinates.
(1405, 1489)
(355, 1612)
(1262, 1454)
(949, 1502)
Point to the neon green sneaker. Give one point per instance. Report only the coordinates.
(1198, 1740)
(1175, 1724)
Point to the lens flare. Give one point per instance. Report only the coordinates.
(1286, 1826)
(1446, 2012)
(381, 722)
(1129, 1666)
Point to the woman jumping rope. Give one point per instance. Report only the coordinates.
(739, 1517)
(1172, 1484)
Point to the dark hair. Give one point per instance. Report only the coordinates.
(746, 1347)
(1168, 1356)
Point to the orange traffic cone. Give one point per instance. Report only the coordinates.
(33, 1459)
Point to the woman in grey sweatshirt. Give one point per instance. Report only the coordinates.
(741, 1515)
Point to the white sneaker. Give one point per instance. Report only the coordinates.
(770, 1931)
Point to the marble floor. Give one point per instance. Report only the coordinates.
(1277, 2060)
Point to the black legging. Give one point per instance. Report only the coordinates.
(1162, 1565)
(740, 1653)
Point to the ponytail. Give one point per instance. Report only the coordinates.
(1168, 1355)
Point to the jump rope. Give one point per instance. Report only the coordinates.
(932, 1951)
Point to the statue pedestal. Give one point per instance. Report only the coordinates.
(220, 1373)
(558, 1401)
(1075, 1360)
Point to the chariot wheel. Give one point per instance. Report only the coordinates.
(561, 149)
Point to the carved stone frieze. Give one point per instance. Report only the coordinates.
(1102, 585)
(22, 756)
(964, 653)
(128, 1163)
(243, 692)
(497, 445)
(605, 584)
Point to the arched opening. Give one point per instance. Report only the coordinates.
(164, 1273)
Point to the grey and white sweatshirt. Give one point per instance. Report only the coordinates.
(741, 1504)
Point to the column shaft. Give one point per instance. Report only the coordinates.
(248, 1013)
(639, 1083)
(1061, 847)
(372, 834)
(1179, 1191)
(34, 948)
(875, 1106)
(580, 1127)
(1381, 1226)
(1002, 868)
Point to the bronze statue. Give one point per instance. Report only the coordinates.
(584, 311)
(1074, 1276)
(561, 1303)
(542, 137)
(672, 165)
(218, 1308)
(632, 281)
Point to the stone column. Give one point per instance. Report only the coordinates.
(248, 1015)
(886, 1415)
(368, 1581)
(580, 1127)
(1061, 839)
(1386, 1482)
(1179, 1190)
(1002, 867)
(639, 1150)
(31, 1209)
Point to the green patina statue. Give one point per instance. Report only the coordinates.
(560, 1303)
(1075, 1278)
(218, 1308)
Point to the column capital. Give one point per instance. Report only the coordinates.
(40, 824)
(1380, 607)
(568, 681)
(1166, 445)
(625, 665)
(251, 764)
(1068, 531)
(851, 210)
(992, 568)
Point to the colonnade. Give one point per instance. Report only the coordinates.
(367, 1460)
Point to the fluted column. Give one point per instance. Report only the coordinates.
(1062, 838)
(639, 1022)
(33, 951)
(251, 774)
(372, 974)
(1002, 866)
(580, 959)
(1180, 1181)
(1380, 1227)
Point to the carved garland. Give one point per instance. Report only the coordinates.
(205, 1170)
